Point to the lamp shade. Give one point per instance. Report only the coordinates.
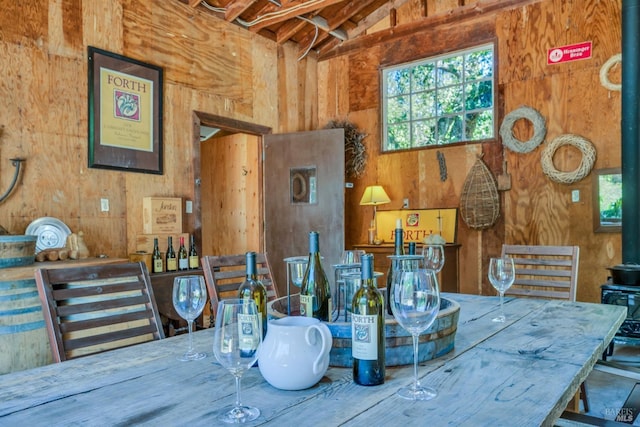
(374, 195)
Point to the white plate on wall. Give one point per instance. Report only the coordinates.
(51, 232)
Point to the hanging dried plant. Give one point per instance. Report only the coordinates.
(355, 158)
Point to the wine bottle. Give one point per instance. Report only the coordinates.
(157, 257)
(183, 258)
(172, 262)
(194, 261)
(367, 329)
(254, 289)
(315, 293)
(412, 248)
(398, 250)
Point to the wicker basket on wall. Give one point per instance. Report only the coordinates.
(479, 201)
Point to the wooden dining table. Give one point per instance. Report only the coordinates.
(522, 372)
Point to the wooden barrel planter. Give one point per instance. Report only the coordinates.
(23, 338)
(436, 341)
(17, 251)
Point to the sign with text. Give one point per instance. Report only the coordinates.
(572, 52)
(418, 224)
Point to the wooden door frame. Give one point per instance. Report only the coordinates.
(200, 118)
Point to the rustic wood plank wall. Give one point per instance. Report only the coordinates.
(536, 210)
(209, 66)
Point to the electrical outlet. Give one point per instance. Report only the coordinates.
(575, 196)
(405, 204)
(104, 205)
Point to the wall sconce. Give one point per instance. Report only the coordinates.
(374, 195)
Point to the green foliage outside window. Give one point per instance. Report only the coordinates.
(438, 101)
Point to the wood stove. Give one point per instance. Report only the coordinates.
(628, 296)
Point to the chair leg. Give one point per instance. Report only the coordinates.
(583, 396)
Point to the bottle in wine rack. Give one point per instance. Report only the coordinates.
(157, 266)
(183, 258)
(194, 261)
(315, 293)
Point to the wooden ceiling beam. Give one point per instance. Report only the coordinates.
(296, 9)
(457, 15)
(236, 8)
(194, 3)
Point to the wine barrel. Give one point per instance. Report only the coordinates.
(17, 251)
(23, 338)
(435, 342)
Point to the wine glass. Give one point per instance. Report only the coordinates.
(189, 298)
(433, 257)
(415, 305)
(501, 275)
(235, 344)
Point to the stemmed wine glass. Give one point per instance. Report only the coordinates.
(433, 257)
(415, 305)
(235, 344)
(189, 298)
(501, 275)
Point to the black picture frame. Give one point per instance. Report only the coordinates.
(125, 113)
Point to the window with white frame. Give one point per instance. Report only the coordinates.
(441, 100)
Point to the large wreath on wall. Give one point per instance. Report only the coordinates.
(355, 155)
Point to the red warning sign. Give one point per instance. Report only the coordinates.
(572, 52)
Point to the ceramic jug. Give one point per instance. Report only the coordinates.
(295, 353)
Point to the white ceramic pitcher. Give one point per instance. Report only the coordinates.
(295, 353)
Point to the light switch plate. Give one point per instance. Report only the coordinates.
(575, 196)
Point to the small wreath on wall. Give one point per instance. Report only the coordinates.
(355, 159)
(586, 164)
(539, 130)
(604, 73)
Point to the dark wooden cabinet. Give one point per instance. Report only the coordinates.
(449, 276)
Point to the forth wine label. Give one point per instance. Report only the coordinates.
(364, 345)
(247, 332)
(306, 305)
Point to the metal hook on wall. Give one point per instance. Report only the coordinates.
(17, 164)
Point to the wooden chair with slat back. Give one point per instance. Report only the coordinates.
(92, 309)
(549, 272)
(224, 275)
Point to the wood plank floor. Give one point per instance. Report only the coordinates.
(608, 392)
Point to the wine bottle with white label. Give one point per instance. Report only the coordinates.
(254, 289)
(315, 293)
(367, 329)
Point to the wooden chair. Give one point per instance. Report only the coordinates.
(549, 272)
(544, 271)
(97, 308)
(224, 275)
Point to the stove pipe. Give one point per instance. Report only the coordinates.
(630, 131)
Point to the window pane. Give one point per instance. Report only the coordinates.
(440, 100)
(449, 129)
(450, 100)
(479, 65)
(450, 71)
(424, 133)
(398, 109)
(398, 82)
(398, 136)
(424, 77)
(479, 125)
(479, 95)
(424, 105)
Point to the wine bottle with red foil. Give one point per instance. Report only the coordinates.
(367, 328)
(398, 250)
(315, 293)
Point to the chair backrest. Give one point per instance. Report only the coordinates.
(544, 271)
(92, 309)
(224, 275)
